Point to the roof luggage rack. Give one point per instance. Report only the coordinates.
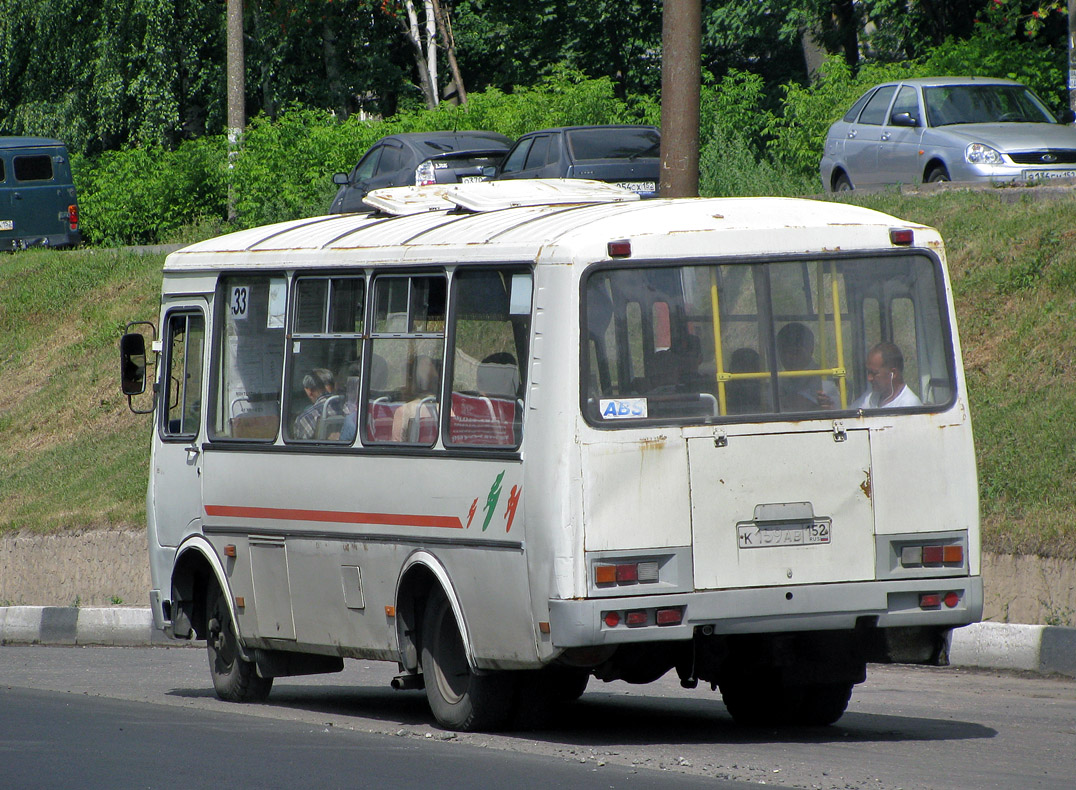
(486, 196)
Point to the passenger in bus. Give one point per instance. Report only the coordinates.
(421, 410)
(744, 396)
(885, 374)
(795, 350)
(319, 386)
(676, 369)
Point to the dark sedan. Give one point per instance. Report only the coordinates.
(418, 158)
(628, 156)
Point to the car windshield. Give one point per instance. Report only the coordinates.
(950, 104)
(606, 143)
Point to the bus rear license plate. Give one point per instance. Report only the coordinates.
(755, 536)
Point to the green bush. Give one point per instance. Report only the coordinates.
(140, 195)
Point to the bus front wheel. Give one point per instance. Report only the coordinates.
(234, 678)
(459, 698)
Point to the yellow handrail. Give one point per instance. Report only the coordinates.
(719, 358)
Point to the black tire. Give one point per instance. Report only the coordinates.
(823, 703)
(760, 704)
(459, 698)
(771, 704)
(540, 695)
(234, 678)
(937, 175)
(842, 183)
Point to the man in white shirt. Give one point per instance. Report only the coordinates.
(885, 374)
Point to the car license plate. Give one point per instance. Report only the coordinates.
(7, 224)
(761, 536)
(1047, 175)
(472, 179)
(638, 186)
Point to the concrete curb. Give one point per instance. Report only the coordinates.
(66, 625)
(1030, 648)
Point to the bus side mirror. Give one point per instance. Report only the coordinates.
(132, 364)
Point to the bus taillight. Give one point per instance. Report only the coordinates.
(72, 216)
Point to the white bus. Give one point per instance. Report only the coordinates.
(514, 435)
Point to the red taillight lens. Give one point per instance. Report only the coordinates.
(612, 619)
(952, 599)
(901, 236)
(929, 601)
(636, 618)
(933, 555)
(669, 617)
(627, 573)
(72, 216)
(619, 249)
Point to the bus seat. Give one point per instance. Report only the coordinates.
(379, 419)
(481, 420)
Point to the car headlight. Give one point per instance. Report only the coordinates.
(424, 174)
(979, 154)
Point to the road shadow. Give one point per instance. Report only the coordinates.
(606, 719)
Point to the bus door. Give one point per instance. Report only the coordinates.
(175, 478)
(787, 501)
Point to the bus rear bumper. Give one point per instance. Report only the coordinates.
(820, 607)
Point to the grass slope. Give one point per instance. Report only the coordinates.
(72, 456)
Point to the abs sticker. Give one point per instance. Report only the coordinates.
(623, 408)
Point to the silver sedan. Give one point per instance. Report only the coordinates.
(947, 129)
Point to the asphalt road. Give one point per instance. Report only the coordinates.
(908, 728)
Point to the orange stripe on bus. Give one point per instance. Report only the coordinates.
(334, 516)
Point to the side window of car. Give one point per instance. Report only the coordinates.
(391, 160)
(874, 113)
(907, 101)
(538, 155)
(853, 113)
(365, 168)
(518, 155)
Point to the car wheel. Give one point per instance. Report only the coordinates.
(234, 678)
(937, 175)
(459, 698)
(842, 183)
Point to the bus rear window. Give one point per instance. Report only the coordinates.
(755, 341)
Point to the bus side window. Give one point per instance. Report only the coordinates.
(324, 359)
(492, 313)
(250, 358)
(408, 336)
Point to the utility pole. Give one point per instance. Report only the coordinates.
(237, 89)
(681, 44)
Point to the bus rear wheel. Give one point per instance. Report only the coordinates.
(459, 698)
(234, 678)
(774, 704)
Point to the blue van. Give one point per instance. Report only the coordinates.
(37, 195)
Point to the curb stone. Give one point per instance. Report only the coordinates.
(1030, 648)
(67, 625)
(1045, 649)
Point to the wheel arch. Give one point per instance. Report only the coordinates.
(836, 175)
(933, 164)
(420, 576)
(195, 566)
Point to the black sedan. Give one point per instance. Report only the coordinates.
(417, 158)
(625, 155)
